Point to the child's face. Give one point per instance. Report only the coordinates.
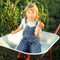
(31, 14)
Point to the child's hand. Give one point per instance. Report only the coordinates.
(40, 25)
(37, 30)
(13, 32)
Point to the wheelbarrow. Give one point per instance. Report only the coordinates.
(47, 40)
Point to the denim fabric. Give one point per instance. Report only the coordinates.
(29, 41)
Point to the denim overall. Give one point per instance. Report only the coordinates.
(29, 43)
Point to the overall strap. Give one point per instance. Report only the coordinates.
(36, 23)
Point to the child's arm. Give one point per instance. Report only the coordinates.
(20, 27)
(15, 31)
(38, 28)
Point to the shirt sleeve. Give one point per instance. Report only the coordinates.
(22, 23)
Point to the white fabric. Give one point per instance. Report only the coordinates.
(23, 24)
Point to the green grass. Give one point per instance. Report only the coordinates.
(7, 54)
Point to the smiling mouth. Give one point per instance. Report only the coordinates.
(31, 17)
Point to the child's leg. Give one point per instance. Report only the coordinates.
(35, 47)
(28, 57)
(23, 56)
(22, 45)
(18, 56)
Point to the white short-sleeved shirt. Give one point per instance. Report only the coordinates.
(23, 23)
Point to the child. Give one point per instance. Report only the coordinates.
(31, 29)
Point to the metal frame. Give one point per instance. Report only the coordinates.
(56, 31)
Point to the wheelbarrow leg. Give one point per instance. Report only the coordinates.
(56, 31)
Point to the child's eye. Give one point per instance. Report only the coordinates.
(28, 12)
(33, 12)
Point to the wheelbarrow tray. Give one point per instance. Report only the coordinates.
(11, 41)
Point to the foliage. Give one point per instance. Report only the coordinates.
(9, 17)
(56, 54)
(12, 13)
(6, 54)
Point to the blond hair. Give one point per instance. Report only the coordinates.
(31, 6)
